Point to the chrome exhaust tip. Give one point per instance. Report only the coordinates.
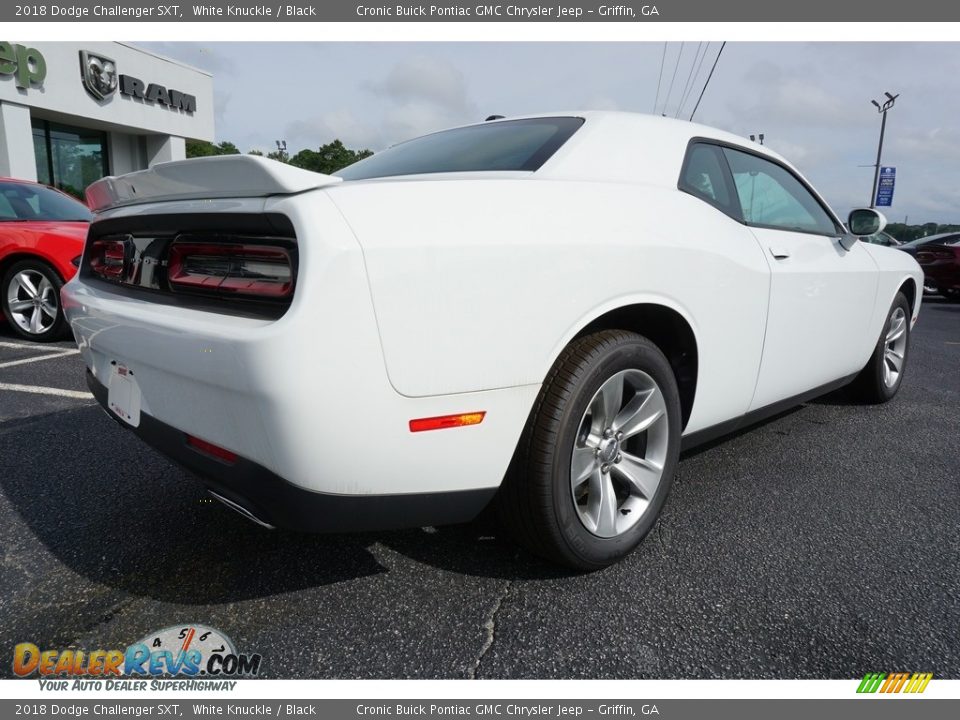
(242, 510)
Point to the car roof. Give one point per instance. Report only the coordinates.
(934, 238)
(21, 181)
(629, 147)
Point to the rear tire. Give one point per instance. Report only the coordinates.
(599, 452)
(880, 379)
(30, 297)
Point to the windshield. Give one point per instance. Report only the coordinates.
(24, 201)
(497, 146)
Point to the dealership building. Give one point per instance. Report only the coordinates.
(71, 113)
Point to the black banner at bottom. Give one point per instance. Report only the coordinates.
(872, 708)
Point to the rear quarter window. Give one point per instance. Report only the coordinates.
(520, 145)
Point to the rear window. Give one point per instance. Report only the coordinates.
(23, 201)
(508, 145)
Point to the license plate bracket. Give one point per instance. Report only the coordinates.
(123, 394)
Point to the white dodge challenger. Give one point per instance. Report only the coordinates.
(540, 312)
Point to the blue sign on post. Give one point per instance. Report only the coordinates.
(888, 178)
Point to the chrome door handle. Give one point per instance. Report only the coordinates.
(779, 253)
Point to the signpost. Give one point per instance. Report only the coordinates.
(888, 178)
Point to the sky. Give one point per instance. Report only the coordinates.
(811, 100)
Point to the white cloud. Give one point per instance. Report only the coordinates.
(340, 124)
(431, 80)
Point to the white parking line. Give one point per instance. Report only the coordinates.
(52, 356)
(31, 346)
(77, 394)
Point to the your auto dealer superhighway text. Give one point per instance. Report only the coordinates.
(539, 11)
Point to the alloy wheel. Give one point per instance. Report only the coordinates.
(32, 301)
(620, 452)
(894, 347)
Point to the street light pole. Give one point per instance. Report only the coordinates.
(882, 109)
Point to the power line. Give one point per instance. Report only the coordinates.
(686, 85)
(696, 75)
(660, 80)
(675, 68)
(715, 61)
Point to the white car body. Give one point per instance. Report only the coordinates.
(433, 295)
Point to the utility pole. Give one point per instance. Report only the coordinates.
(882, 109)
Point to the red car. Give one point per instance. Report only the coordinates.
(42, 231)
(941, 266)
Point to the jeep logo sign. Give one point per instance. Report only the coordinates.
(26, 64)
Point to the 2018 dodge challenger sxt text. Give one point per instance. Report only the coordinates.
(548, 307)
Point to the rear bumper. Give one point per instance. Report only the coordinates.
(274, 501)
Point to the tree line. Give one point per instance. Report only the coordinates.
(326, 159)
(906, 233)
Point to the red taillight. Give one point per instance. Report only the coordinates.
(236, 269)
(447, 421)
(107, 258)
(208, 448)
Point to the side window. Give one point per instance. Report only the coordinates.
(772, 197)
(6, 209)
(705, 177)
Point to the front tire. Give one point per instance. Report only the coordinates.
(598, 455)
(30, 296)
(880, 380)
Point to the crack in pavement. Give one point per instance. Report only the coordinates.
(660, 543)
(490, 628)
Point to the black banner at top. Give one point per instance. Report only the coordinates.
(478, 11)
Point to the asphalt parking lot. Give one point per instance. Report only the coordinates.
(821, 544)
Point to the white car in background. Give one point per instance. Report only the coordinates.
(545, 309)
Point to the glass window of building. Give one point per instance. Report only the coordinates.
(69, 158)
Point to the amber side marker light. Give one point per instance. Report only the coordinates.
(447, 421)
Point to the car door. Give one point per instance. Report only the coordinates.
(821, 294)
(732, 281)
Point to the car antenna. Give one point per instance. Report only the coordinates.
(494, 117)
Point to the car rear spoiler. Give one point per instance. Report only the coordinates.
(221, 176)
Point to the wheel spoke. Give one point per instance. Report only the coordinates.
(36, 321)
(584, 463)
(895, 359)
(49, 309)
(20, 305)
(640, 413)
(28, 287)
(44, 288)
(609, 399)
(897, 329)
(603, 504)
(642, 475)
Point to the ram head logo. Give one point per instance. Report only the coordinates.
(99, 74)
